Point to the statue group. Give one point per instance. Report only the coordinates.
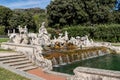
(24, 37)
(43, 38)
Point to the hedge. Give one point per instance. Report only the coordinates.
(106, 32)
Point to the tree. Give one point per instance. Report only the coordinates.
(61, 13)
(72, 12)
(5, 14)
(22, 19)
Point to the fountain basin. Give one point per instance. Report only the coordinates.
(107, 62)
(61, 58)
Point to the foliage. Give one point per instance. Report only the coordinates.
(30, 17)
(2, 29)
(22, 19)
(7, 75)
(52, 32)
(39, 18)
(104, 32)
(5, 14)
(72, 12)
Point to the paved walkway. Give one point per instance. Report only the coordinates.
(46, 76)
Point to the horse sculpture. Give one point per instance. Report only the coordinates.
(22, 30)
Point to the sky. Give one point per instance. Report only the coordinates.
(13, 4)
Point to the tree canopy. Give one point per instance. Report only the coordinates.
(73, 12)
(22, 19)
(30, 17)
(5, 14)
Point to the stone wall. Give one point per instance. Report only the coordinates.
(82, 73)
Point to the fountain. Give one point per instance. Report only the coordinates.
(61, 62)
(28, 44)
(55, 63)
(68, 50)
(68, 59)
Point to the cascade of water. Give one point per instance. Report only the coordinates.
(95, 54)
(61, 62)
(55, 62)
(72, 57)
(91, 54)
(107, 51)
(75, 57)
(82, 55)
(78, 57)
(68, 59)
(87, 55)
(101, 53)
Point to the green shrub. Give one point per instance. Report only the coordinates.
(2, 29)
(106, 32)
(52, 32)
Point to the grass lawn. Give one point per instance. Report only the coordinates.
(116, 44)
(6, 50)
(3, 40)
(7, 75)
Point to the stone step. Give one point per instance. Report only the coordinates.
(14, 60)
(12, 57)
(18, 63)
(28, 68)
(23, 65)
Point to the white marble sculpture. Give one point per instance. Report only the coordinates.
(43, 36)
(62, 39)
(22, 30)
(40, 60)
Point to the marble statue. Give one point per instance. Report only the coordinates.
(22, 30)
(66, 36)
(40, 60)
(25, 39)
(19, 38)
(62, 39)
(43, 36)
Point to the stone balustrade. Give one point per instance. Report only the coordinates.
(82, 73)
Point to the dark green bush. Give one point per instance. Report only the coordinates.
(2, 29)
(104, 32)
